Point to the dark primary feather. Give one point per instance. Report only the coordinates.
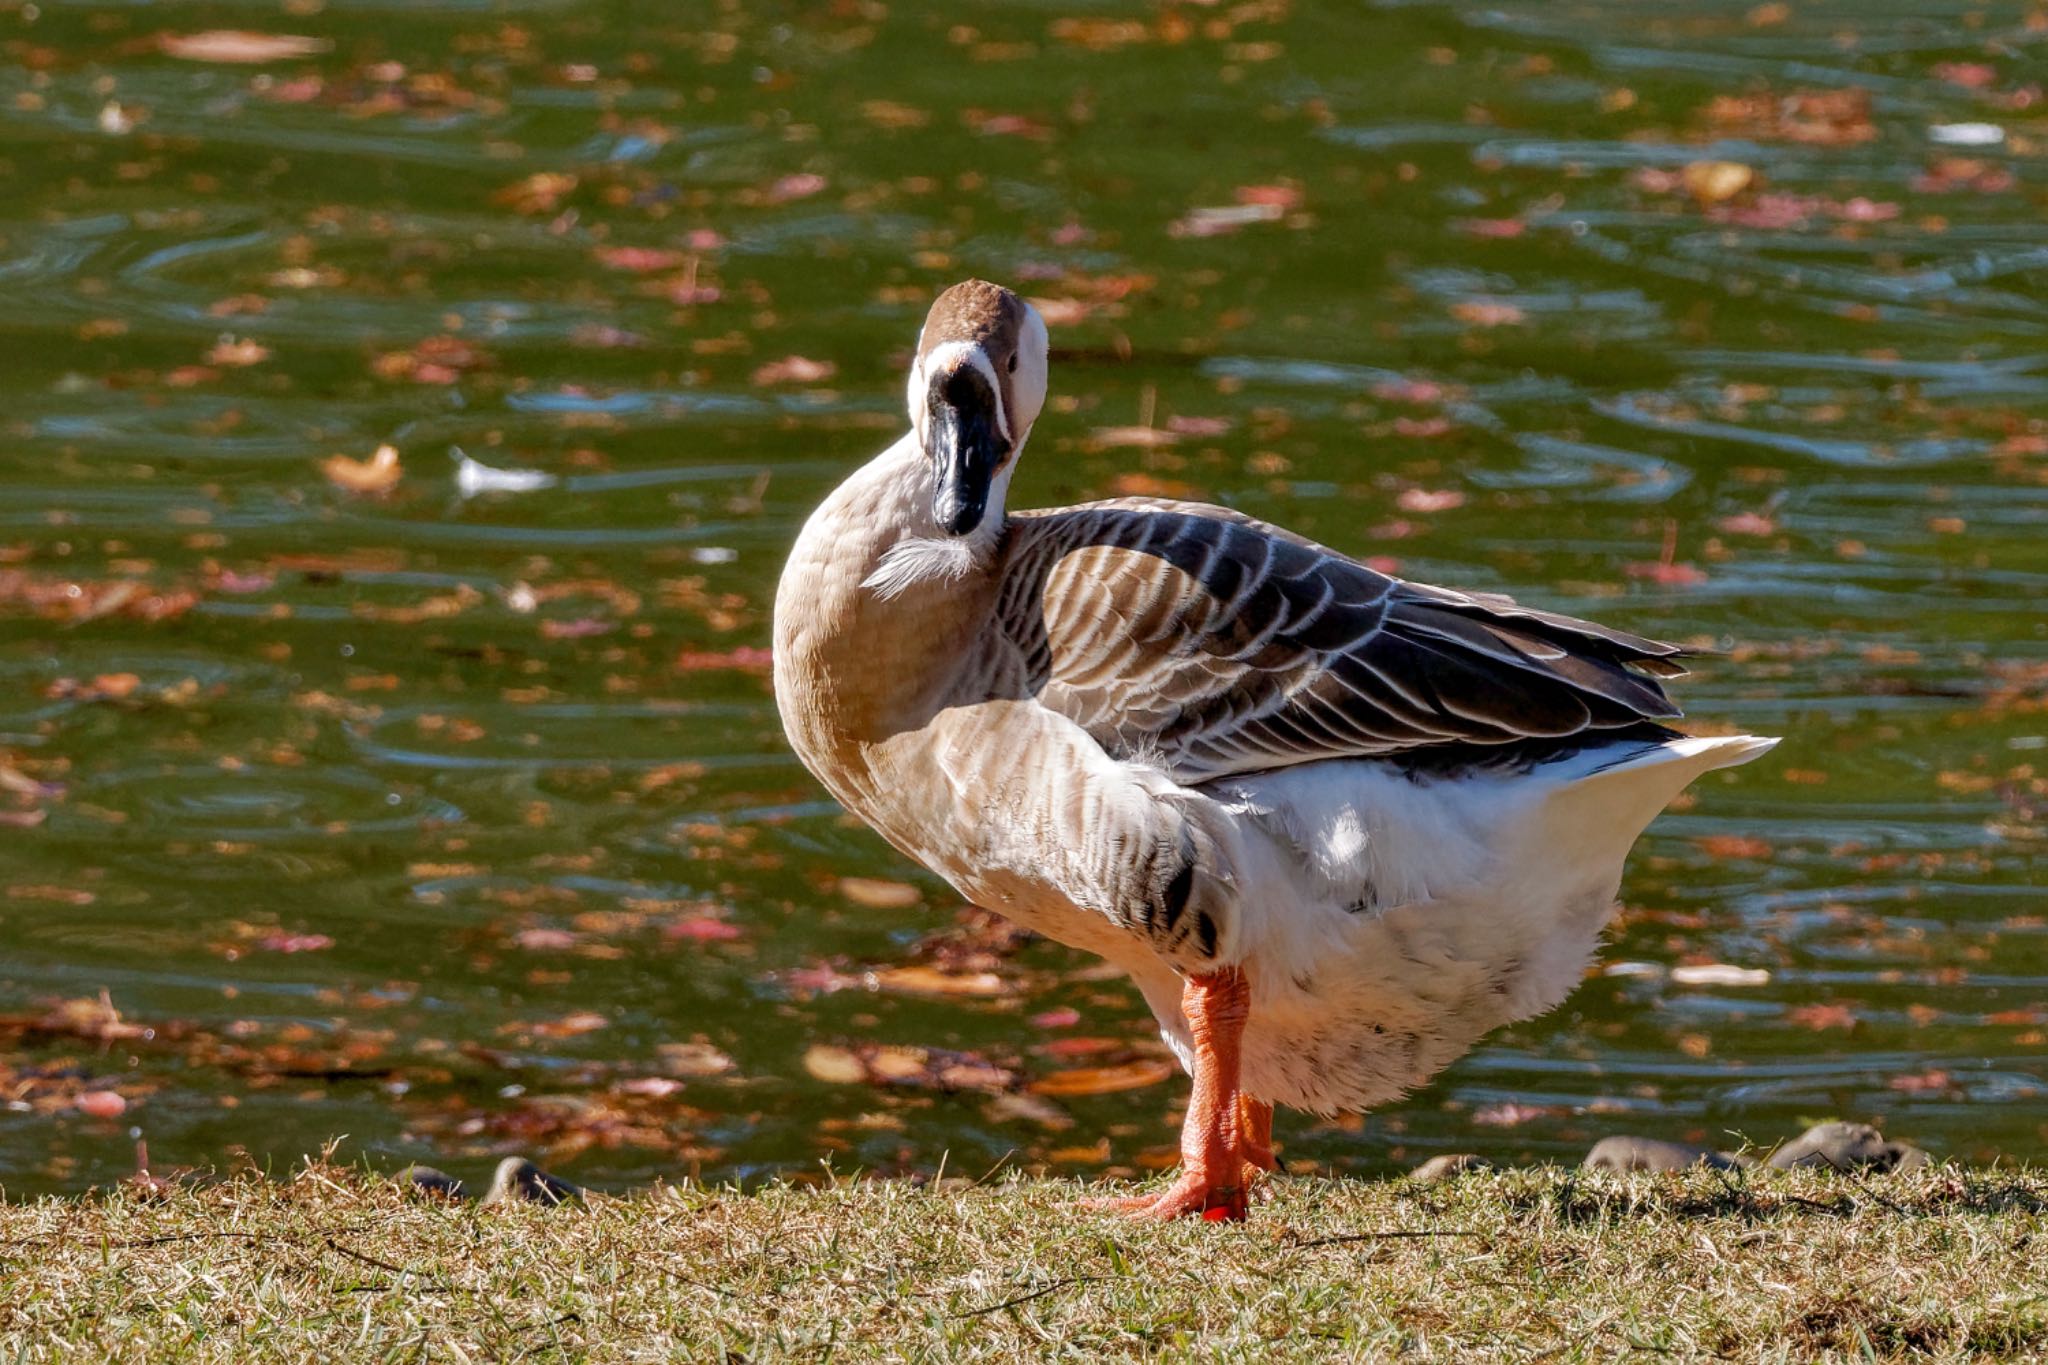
(1217, 644)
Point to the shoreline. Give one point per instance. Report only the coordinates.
(1750, 1263)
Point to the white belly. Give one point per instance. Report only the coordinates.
(1386, 924)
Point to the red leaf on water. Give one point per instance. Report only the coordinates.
(1733, 846)
(1425, 500)
(1747, 524)
(1279, 196)
(1921, 1083)
(1497, 228)
(795, 369)
(1409, 391)
(1509, 1115)
(701, 929)
(1666, 575)
(1488, 313)
(746, 659)
(792, 187)
(1819, 1017)
(640, 259)
(294, 943)
(1968, 75)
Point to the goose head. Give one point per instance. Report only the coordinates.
(976, 387)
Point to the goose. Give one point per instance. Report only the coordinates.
(1335, 825)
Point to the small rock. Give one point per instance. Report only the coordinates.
(1907, 1157)
(1441, 1168)
(1847, 1147)
(433, 1181)
(1626, 1152)
(518, 1178)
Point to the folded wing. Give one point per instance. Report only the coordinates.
(1215, 644)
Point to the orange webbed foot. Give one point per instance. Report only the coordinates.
(1226, 1139)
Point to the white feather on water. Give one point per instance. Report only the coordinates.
(474, 476)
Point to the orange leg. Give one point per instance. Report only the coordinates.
(1255, 1125)
(1214, 1175)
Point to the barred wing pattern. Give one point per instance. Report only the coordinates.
(1216, 644)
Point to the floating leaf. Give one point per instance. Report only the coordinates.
(1734, 846)
(1104, 1080)
(1818, 1017)
(795, 369)
(1715, 182)
(1666, 575)
(294, 943)
(101, 1104)
(1488, 313)
(876, 894)
(694, 1060)
(378, 474)
(239, 46)
(1719, 974)
(571, 1025)
(745, 659)
(541, 192)
(1747, 524)
(889, 114)
(915, 1067)
(473, 477)
(1425, 500)
(237, 353)
(1510, 1114)
(641, 259)
(834, 1065)
(1215, 221)
(919, 979)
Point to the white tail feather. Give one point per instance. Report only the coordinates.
(1615, 801)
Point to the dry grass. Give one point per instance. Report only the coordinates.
(1547, 1264)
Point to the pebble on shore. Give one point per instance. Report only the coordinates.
(1626, 1152)
(1833, 1145)
(1848, 1147)
(515, 1179)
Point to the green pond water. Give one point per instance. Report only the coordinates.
(460, 822)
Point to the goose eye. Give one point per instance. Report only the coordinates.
(1013, 362)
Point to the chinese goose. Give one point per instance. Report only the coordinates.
(1336, 825)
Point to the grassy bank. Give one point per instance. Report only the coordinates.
(1551, 1264)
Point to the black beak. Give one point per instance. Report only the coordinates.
(965, 447)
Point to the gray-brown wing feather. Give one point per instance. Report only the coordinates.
(1217, 644)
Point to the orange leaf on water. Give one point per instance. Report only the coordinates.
(1488, 313)
(1667, 575)
(1733, 846)
(237, 352)
(101, 1104)
(889, 114)
(1818, 1017)
(834, 1065)
(876, 894)
(919, 979)
(1747, 524)
(1104, 1080)
(572, 1025)
(1715, 182)
(378, 474)
(1425, 500)
(1134, 483)
(239, 46)
(795, 369)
